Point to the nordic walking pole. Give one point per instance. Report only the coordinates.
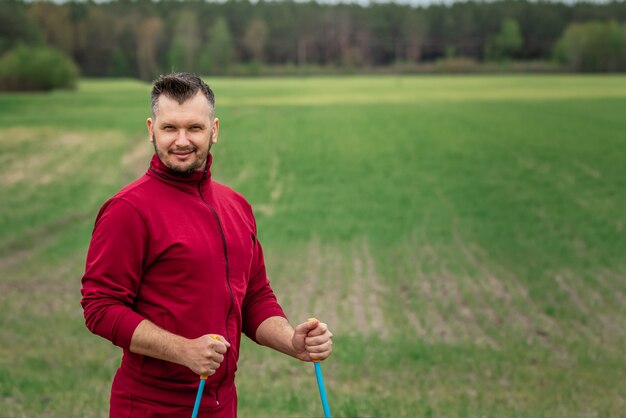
(320, 383)
(196, 406)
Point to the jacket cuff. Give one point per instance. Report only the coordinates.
(125, 328)
(255, 321)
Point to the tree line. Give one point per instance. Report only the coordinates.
(142, 38)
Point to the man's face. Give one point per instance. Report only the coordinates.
(182, 134)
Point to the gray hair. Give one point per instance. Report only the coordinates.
(180, 87)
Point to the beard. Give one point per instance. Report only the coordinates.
(182, 168)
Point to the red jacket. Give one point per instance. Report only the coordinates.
(182, 252)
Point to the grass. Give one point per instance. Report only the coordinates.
(464, 237)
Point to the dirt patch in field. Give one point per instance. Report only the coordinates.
(607, 279)
(588, 170)
(276, 183)
(18, 251)
(340, 286)
(138, 158)
(299, 280)
(48, 290)
(329, 296)
(242, 176)
(367, 293)
(412, 317)
(66, 152)
(562, 281)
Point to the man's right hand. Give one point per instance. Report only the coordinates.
(204, 355)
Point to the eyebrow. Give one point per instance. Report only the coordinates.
(188, 125)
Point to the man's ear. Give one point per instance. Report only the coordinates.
(150, 126)
(215, 131)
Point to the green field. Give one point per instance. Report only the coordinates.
(464, 237)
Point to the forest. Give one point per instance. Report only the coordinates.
(142, 38)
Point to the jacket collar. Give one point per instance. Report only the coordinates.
(164, 172)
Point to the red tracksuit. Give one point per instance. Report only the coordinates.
(182, 252)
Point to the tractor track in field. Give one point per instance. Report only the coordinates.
(138, 158)
(276, 183)
(40, 169)
(367, 292)
(357, 297)
(326, 306)
(603, 277)
(310, 279)
(408, 290)
(18, 251)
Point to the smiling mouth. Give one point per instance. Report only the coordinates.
(182, 152)
(182, 156)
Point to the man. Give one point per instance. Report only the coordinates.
(175, 272)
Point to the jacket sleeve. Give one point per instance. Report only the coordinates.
(260, 302)
(113, 271)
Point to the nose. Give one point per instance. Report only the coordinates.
(181, 138)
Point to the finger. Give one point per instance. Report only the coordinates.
(321, 348)
(320, 329)
(207, 372)
(218, 343)
(216, 357)
(319, 356)
(306, 327)
(220, 338)
(220, 348)
(210, 367)
(320, 339)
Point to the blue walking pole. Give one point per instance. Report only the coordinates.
(320, 384)
(196, 406)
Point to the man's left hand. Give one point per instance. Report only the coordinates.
(312, 341)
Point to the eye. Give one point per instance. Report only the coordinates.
(195, 128)
(168, 128)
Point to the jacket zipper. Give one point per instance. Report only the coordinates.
(230, 290)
